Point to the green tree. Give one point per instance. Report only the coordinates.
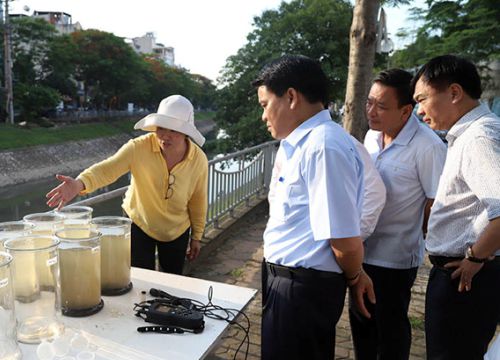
(315, 28)
(33, 44)
(469, 28)
(109, 68)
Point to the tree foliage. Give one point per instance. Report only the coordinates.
(315, 28)
(469, 28)
(91, 68)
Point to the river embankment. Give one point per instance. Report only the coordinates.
(34, 163)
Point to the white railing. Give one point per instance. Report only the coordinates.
(232, 180)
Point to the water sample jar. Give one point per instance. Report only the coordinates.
(13, 229)
(115, 254)
(8, 343)
(80, 267)
(37, 309)
(76, 216)
(45, 224)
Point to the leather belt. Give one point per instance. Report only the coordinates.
(299, 272)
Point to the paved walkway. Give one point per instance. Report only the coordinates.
(237, 261)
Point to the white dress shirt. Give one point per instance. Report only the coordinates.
(410, 167)
(316, 194)
(374, 192)
(468, 196)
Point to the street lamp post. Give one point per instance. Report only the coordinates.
(9, 106)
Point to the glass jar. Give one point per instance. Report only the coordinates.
(115, 254)
(9, 348)
(37, 309)
(45, 224)
(13, 229)
(80, 266)
(76, 216)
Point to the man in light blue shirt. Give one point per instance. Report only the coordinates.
(409, 157)
(312, 246)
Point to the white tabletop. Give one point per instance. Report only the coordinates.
(113, 331)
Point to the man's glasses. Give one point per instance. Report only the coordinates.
(170, 189)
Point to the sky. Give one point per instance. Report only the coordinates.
(203, 33)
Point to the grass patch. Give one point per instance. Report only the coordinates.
(416, 323)
(236, 273)
(14, 137)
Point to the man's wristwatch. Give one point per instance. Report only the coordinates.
(469, 255)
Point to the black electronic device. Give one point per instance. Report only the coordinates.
(171, 314)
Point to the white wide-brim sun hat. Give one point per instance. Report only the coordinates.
(175, 113)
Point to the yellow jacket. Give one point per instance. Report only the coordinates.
(145, 203)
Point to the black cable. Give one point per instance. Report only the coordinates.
(209, 310)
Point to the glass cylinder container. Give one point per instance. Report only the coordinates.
(80, 266)
(115, 254)
(8, 343)
(37, 310)
(76, 216)
(45, 224)
(13, 229)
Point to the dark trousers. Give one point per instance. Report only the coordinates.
(460, 325)
(171, 254)
(299, 316)
(387, 335)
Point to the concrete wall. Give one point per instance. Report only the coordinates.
(44, 161)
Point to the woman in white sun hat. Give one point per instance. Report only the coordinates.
(167, 196)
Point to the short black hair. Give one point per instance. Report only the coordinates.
(442, 71)
(399, 80)
(298, 72)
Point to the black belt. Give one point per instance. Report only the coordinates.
(299, 272)
(443, 260)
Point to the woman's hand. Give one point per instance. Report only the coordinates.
(64, 192)
(194, 249)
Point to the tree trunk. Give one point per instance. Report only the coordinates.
(361, 58)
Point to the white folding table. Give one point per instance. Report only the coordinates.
(113, 333)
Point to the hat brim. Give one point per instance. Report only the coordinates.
(152, 121)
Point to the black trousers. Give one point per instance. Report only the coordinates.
(460, 325)
(171, 255)
(299, 315)
(387, 335)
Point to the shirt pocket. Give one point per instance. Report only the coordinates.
(399, 175)
(277, 203)
(287, 202)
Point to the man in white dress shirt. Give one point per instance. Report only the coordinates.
(463, 294)
(312, 246)
(409, 157)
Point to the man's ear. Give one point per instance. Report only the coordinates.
(457, 92)
(292, 96)
(407, 110)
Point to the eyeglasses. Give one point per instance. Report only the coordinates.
(170, 189)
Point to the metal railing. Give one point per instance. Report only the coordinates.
(232, 180)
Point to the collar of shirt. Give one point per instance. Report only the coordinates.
(466, 121)
(155, 147)
(403, 138)
(291, 141)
